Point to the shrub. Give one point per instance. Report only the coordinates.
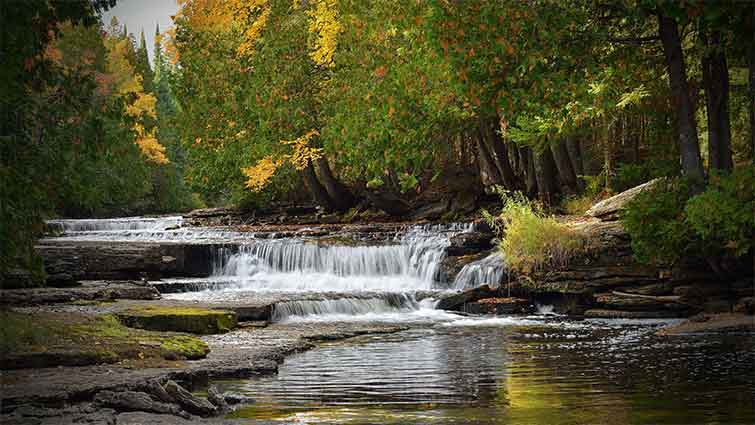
(655, 221)
(722, 218)
(666, 224)
(532, 240)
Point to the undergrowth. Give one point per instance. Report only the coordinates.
(529, 239)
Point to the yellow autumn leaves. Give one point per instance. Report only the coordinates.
(301, 154)
(128, 83)
(323, 32)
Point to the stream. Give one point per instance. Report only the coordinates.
(446, 368)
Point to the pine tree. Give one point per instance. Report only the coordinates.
(142, 65)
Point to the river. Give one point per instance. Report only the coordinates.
(446, 368)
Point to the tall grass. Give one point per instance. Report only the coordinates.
(531, 240)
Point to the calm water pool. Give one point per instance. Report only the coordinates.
(500, 371)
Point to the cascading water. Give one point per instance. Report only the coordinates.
(361, 282)
(409, 264)
(490, 270)
(115, 224)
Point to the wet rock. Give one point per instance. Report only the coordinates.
(216, 398)
(608, 209)
(191, 403)
(133, 401)
(236, 398)
(500, 306)
(179, 319)
(469, 243)
(457, 301)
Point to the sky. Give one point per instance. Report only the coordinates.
(140, 15)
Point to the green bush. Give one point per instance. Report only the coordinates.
(666, 224)
(655, 221)
(723, 216)
(532, 240)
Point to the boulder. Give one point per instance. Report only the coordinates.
(608, 209)
(217, 399)
(457, 301)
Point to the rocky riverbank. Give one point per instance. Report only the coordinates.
(139, 381)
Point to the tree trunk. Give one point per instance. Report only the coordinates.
(340, 194)
(575, 155)
(564, 166)
(488, 171)
(716, 82)
(689, 147)
(528, 165)
(498, 153)
(318, 191)
(545, 174)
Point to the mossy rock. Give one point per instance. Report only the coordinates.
(180, 319)
(70, 339)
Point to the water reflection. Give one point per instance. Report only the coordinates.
(566, 372)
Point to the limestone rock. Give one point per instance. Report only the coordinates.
(457, 301)
(608, 209)
(191, 403)
(133, 401)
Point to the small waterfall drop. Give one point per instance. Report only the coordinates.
(489, 270)
(116, 224)
(410, 263)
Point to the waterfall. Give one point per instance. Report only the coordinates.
(411, 262)
(392, 303)
(490, 270)
(114, 224)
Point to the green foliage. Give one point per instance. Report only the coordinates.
(629, 175)
(666, 224)
(723, 217)
(531, 240)
(655, 221)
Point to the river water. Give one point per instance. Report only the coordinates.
(446, 368)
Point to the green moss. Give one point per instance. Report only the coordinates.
(186, 346)
(61, 339)
(179, 319)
